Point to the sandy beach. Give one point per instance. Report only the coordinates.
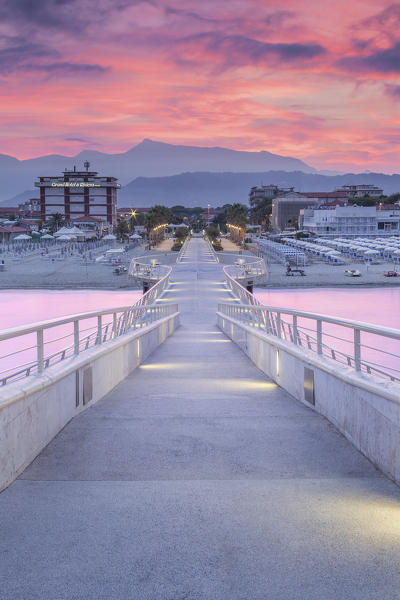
(37, 272)
(320, 274)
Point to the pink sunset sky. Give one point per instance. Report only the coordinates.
(317, 80)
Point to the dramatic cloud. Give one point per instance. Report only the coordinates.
(389, 18)
(382, 61)
(237, 50)
(317, 80)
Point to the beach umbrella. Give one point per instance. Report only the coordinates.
(47, 236)
(135, 236)
(22, 237)
(63, 238)
(110, 236)
(62, 231)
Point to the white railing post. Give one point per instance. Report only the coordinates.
(278, 324)
(99, 329)
(114, 328)
(357, 349)
(295, 331)
(319, 336)
(40, 350)
(76, 337)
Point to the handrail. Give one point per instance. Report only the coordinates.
(182, 250)
(237, 289)
(361, 356)
(210, 246)
(367, 327)
(146, 271)
(124, 320)
(32, 327)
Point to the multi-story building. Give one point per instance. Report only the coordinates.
(286, 210)
(338, 197)
(79, 194)
(29, 210)
(258, 194)
(361, 190)
(350, 221)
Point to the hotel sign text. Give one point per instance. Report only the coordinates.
(81, 184)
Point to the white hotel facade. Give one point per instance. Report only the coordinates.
(79, 194)
(350, 221)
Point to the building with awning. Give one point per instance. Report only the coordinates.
(8, 233)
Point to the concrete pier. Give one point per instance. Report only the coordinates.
(198, 478)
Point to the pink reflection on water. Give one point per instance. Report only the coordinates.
(372, 305)
(20, 307)
(30, 306)
(379, 306)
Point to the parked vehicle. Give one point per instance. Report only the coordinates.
(120, 270)
(391, 274)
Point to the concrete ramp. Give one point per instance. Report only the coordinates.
(197, 478)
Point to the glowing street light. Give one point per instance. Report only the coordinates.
(239, 229)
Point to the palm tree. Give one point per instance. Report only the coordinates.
(157, 215)
(237, 215)
(56, 221)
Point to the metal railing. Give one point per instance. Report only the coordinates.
(370, 349)
(182, 250)
(35, 353)
(41, 345)
(147, 268)
(245, 268)
(210, 246)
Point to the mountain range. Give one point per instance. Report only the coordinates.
(217, 189)
(158, 173)
(147, 159)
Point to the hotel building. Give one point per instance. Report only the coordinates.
(350, 221)
(286, 210)
(79, 194)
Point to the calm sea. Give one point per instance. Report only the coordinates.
(380, 306)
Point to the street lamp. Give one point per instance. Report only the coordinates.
(240, 231)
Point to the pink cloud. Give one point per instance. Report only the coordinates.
(315, 80)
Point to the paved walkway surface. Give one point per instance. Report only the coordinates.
(198, 478)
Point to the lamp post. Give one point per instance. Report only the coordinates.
(157, 232)
(132, 215)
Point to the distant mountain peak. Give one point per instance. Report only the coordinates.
(150, 158)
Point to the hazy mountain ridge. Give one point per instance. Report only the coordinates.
(147, 159)
(217, 189)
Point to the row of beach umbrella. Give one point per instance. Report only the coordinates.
(367, 249)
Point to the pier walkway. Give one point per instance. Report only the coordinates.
(199, 479)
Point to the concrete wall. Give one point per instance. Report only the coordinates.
(365, 409)
(34, 410)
